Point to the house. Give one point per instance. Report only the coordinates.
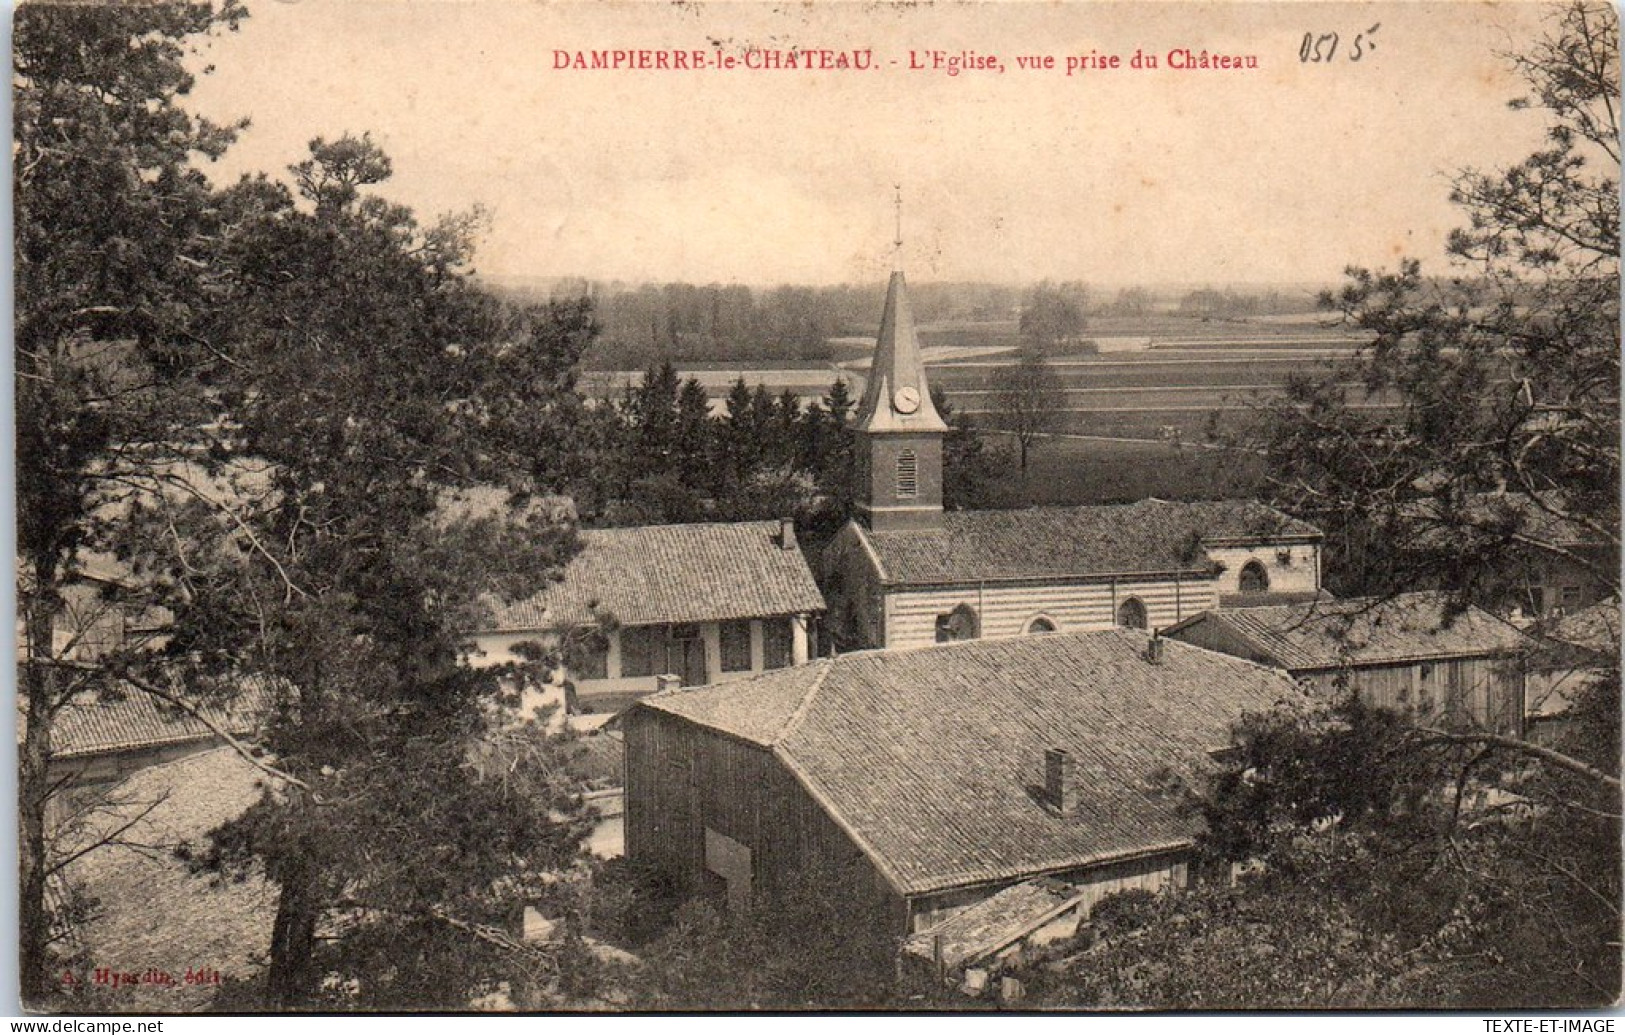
(1575, 652)
(1409, 653)
(704, 602)
(1557, 567)
(99, 740)
(1554, 563)
(101, 612)
(911, 784)
(905, 573)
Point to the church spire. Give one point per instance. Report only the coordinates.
(900, 433)
(896, 397)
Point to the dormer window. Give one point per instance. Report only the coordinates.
(908, 474)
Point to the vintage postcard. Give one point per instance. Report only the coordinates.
(731, 506)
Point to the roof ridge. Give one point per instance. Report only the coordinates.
(806, 701)
(764, 522)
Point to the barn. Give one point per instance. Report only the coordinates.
(921, 782)
(1411, 653)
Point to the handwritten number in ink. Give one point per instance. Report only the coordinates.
(1365, 38)
(1321, 48)
(1316, 49)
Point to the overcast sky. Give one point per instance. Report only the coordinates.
(1285, 173)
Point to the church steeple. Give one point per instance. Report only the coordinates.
(897, 397)
(899, 430)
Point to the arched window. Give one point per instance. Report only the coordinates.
(962, 623)
(1040, 624)
(1254, 579)
(1131, 614)
(908, 475)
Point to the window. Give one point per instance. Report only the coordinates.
(1570, 598)
(643, 649)
(959, 624)
(1131, 614)
(1041, 624)
(588, 658)
(1254, 579)
(99, 636)
(736, 646)
(908, 475)
(775, 643)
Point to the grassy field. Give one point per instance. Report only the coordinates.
(1160, 376)
(1069, 472)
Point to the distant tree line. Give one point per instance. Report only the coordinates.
(1211, 304)
(647, 324)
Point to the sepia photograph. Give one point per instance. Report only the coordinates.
(538, 506)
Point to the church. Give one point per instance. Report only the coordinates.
(906, 573)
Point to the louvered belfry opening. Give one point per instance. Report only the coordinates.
(908, 474)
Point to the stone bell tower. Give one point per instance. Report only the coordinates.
(899, 446)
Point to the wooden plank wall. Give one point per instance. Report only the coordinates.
(682, 779)
(1461, 693)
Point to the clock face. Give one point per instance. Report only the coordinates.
(906, 399)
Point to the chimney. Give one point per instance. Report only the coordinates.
(1153, 650)
(787, 533)
(667, 682)
(1057, 775)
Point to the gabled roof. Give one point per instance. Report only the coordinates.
(1365, 631)
(88, 726)
(659, 574)
(1586, 639)
(931, 759)
(1595, 628)
(897, 364)
(1151, 536)
(1537, 516)
(155, 913)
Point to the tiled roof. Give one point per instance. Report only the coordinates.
(1595, 627)
(1536, 517)
(1143, 537)
(1586, 639)
(1367, 631)
(1502, 517)
(931, 758)
(993, 923)
(89, 726)
(671, 573)
(154, 914)
(1271, 598)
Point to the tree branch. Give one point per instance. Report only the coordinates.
(1555, 758)
(219, 731)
